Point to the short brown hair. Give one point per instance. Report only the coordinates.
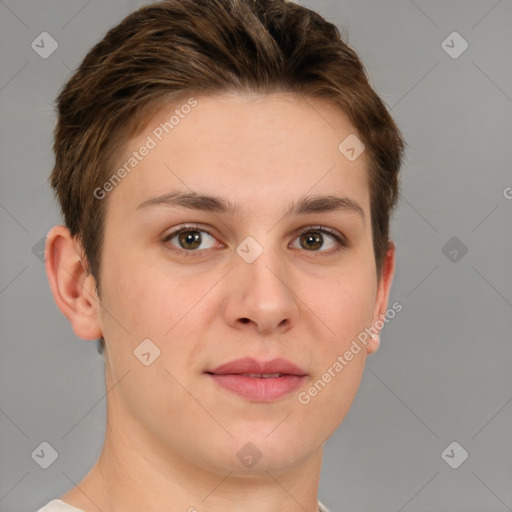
(167, 49)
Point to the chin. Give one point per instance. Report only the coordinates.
(256, 451)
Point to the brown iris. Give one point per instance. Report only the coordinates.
(190, 239)
(313, 240)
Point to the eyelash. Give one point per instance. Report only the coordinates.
(194, 227)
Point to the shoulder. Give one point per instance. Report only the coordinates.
(58, 506)
(322, 507)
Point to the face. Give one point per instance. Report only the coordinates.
(205, 285)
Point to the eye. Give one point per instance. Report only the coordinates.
(314, 238)
(189, 238)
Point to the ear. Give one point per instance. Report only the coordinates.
(74, 290)
(381, 302)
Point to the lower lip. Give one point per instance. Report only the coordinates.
(259, 389)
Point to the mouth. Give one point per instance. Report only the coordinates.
(258, 381)
(261, 375)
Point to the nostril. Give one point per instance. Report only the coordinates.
(245, 320)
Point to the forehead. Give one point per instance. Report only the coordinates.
(258, 150)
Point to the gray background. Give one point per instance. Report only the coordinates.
(443, 372)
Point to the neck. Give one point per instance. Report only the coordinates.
(132, 473)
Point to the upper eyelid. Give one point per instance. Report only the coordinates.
(187, 227)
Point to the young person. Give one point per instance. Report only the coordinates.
(226, 175)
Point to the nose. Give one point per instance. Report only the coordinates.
(261, 295)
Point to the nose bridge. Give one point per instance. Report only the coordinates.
(270, 273)
(264, 292)
(262, 266)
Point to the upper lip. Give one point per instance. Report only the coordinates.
(250, 365)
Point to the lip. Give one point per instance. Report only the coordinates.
(256, 388)
(251, 365)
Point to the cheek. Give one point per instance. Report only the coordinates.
(349, 315)
(139, 305)
(137, 297)
(147, 300)
(345, 304)
(345, 301)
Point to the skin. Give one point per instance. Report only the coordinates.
(172, 434)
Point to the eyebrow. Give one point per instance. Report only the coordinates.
(303, 206)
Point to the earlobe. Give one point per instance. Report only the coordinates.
(373, 344)
(72, 287)
(381, 302)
